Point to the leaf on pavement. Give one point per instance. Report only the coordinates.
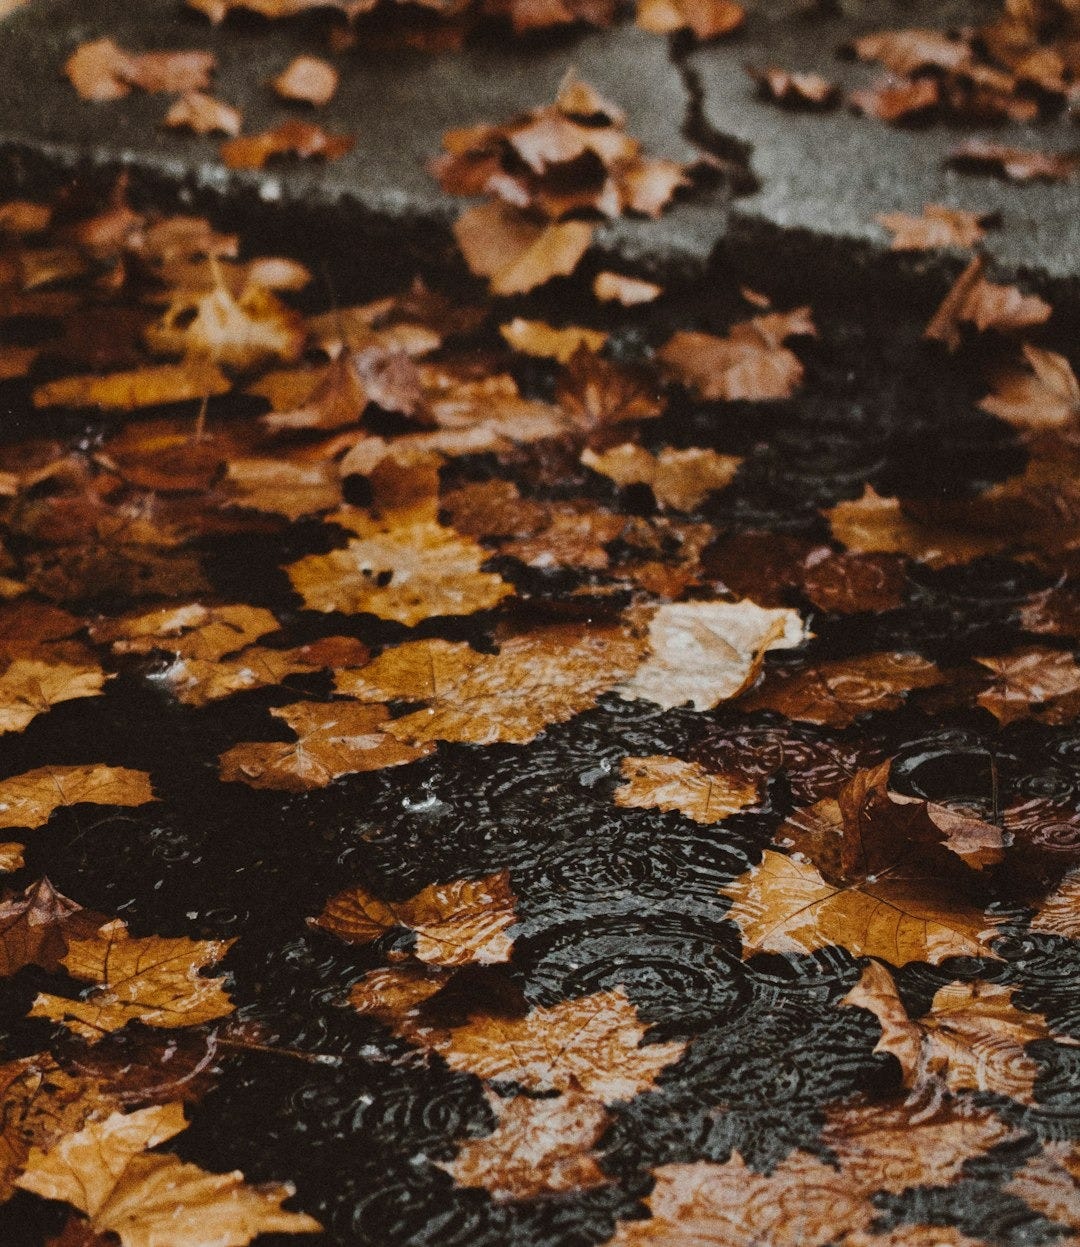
(1044, 395)
(515, 253)
(537, 338)
(291, 138)
(203, 114)
(629, 291)
(29, 687)
(151, 386)
(307, 78)
(706, 19)
(937, 226)
(102, 70)
(189, 630)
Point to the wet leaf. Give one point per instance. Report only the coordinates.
(29, 687)
(794, 89)
(629, 291)
(1044, 395)
(986, 306)
(938, 226)
(681, 479)
(152, 980)
(1050, 1183)
(665, 783)
(203, 114)
(1059, 913)
(454, 923)
(191, 630)
(139, 387)
(11, 856)
(292, 489)
(708, 652)
(599, 395)
(333, 739)
(707, 19)
(106, 1171)
(1027, 679)
(516, 254)
(534, 337)
(28, 800)
(291, 138)
(1014, 163)
(238, 332)
(309, 79)
(37, 926)
(538, 1147)
(536, 679)
(103, 71)
(905, 51)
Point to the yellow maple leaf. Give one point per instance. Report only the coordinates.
(660, 782)
(29, 799)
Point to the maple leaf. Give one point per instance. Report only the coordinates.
(629, 291)
(103, 71)
(538, 1147)
(203, 114)
(985, 305)
(1059, 913)
(239, 332)
(153, 980)
(29, 687)
(708, 652)
(899, 101)
(151, 386)
(217, 10)
(526, 15)
(591, 1044)
(37, 926)
(1029, 678)
(404, 566)
(454, 923)
(1045, 395)
(307, 78)
(664, 783)
(190, 630)
(535, 337)
(106, 1171)
(1050, 1183)
(707, 19)
(751, 363)
(333, 739)
(972, 1038)
(1014, 163)
(906, 51)
(516, 254)
(794, 89)
(938, 226)
(835, 693)
(28, 800)
(291, 138)
(536, 679)
(785, 906)
(802, 1203)
(292, 489)
(599, 395)
(681, 479)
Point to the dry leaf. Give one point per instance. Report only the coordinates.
(1045, 395)
(455, 923)
(707, 19)
(681, 479)
(1014, 163)
(152, 980)
(708, 652)
(665, 783)
(238, 332)
(291, 138)
(37, 926)
(203, 114)
(794, 89)
(309, 79)
(629, 291)
(140, 387)
(148, 1199)
(938, 226)
(536, 679)
(28, 800)
(103, 71)
(538, 1147)
(333, 739)
(534, 337)
(835, 693)
(516, 254)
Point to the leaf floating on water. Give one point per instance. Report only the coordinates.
(680, 479)
(28, 800)
(151, 386)
(37, 927)
(664, 783)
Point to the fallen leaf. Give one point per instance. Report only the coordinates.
(29, 687)
(28, 800)
(708, 652)
(750, 363)
(203, 114)
(291, 138)
(1059, 913)
(238, 332)
(629, 291)
(906, 51)
(11, 856)
(794, 89)
(784, 906)
(898, 101)
(191, 630)
(536, 679)
(1050, 1183)
(454, 923)
(37, 926)
(1014, 163)
(707, 19)
(1026, 679)
(24, 217)
(534, 337)
(280, 487)
(106, 1171)
(681, 479)
(152, 980)
(851, 584)
(150, 386)
(516, 254)
(538, 1147)
(835, 693)
(938, 226)
(102, 71)
(309, 79)
(901, 1037)
(660, 782)
(599, 395)
(1045, 395)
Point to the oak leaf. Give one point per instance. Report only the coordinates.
(1045, 395)
(707, 19)
(835, 693)
(937, 226)
(681, 479)
(538, 1147)
(454, 923)
(153, 980)
(536, 679)
(307, 78)
(291, 138)
(708, 652)
(147, 1199)
(28, 800)
(139, 387)
(664, 783)
(750, 363)
(37, 927)
(203, 114)
(516, 254)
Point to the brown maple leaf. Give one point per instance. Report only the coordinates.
(906, 51)
(538, 1147)
(189, 630)
(526, 15)
(307, 78)
(515, 253)
(707, 19)
(536, 679)
(938, 226)
(1028, 679)
(454, 923)
(681, 479)
(850, 584)
(103, 71)
(708, 652)
(152, 980)
(28, 800)
(107, 1172)
(661, 782)
(1059, 913)
(835, 693)
(333, 739)
(629, 291)
(535, 337)
(150, 386)
(30, 686)
(599, 396)
(794, 89)
(751, 363)
(37, 926)
(291, 138)
(203, 114)
(1050, 1183)
(899, 101)
(1014, 163)
(1044, 395)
